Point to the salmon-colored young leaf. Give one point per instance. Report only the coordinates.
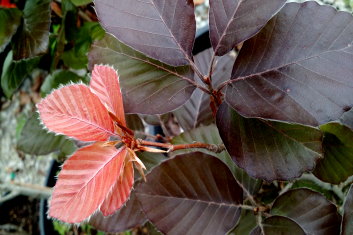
(85, 181)
(76, 112)
(105, 84)
(121, 191)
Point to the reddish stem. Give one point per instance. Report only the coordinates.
(211, 147)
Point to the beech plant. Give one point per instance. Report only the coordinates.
(263, 135)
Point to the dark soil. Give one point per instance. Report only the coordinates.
(19, 216)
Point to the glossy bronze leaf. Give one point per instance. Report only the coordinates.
(296, 71)
(269, 150)
(195, 194)
(161, 29)
(234, 21)
(148, 86)
(311, 210)
(347, 221)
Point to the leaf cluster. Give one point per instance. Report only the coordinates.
(275, 88)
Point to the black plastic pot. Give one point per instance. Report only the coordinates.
(46, 225)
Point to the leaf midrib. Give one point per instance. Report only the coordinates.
(228, 24)
(291, 138)
(94, 176)
(87, 122)
(148, 62)
(284, 65)
(192, 199)
(187, 56)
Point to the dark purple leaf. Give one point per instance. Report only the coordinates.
(337, 164)
(266, 149)
(298, 68)
(234, 21)
(311, 210)
(278, 225)
(127, 217)
(148, 86)
(163, 29)
(197, 109)
(347, 222)
(191, 194)
(209, 134)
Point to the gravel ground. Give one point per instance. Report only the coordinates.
(14, 165)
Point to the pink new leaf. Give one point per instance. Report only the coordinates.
(105, 84)
(85, 181)
(121, 191)
(76, 112)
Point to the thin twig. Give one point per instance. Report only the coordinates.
(30, 190)
(210, 68)
(286, 188)
(348, 182)
(84, 16)
(153, 137)
(59, 48)
(248, 195)
(202, 88)
(259, 222)
(211, 147)
(246, 207)
(170, 147)
(196, 70)
(195, 84)
(222, 85)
